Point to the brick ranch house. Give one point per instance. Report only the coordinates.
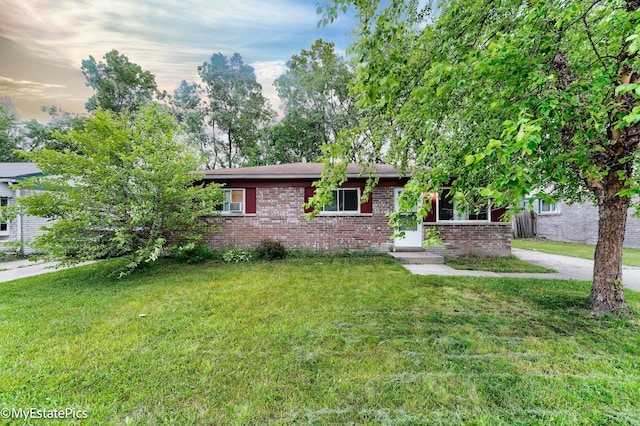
(267, 202)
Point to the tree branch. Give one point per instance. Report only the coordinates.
(593, 46)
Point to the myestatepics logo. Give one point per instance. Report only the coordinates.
(36, 413)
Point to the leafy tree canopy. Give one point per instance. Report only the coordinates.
(316, 102)
(120, 85)
(126, 189)
(510, 98)
(8, 139)
(37, 135)
(236, 110)
(190, 109)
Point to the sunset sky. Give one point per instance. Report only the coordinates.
(42, 42)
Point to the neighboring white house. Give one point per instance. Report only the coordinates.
(23, 228)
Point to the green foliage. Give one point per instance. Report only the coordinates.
(317, 104)
(237, 255)
(294, 139)
(8, 140)
(236, 111)
(270, 250)
(38, 135)
(432, 236)
(191, 112)
(127, 188)
(120, 85)
(192, 253)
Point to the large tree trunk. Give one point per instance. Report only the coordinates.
(607, 293)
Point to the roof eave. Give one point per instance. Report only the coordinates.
(295, 176)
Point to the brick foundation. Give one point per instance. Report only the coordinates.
(478, 239)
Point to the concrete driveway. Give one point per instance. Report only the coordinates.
(569, 268)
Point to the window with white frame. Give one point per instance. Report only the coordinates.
(233, 201)
(545, 207)
(344, 200)
(451, 210)
(4, 224)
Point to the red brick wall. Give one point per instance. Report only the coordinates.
(479, 239)
(280, 216)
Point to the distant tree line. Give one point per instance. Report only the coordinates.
(224, 117)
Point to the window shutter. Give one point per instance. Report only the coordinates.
(367, 206)
(431, 217)
(308, 193)
(250, 199)
(496, 214)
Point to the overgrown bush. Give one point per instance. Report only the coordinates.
(192, 253)
(237, 255)
(270, 250)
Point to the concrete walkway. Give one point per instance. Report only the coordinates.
(16, 269)
(569, 268)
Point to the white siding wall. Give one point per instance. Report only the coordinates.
(31, 227)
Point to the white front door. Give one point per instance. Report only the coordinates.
(411, 226)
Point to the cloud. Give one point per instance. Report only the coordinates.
(269, 70)
(6, 80)
(169, 38)
(11, 87)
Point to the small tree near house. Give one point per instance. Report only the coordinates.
(126, 189)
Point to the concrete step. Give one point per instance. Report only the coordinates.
(417, 258)
(408, 249)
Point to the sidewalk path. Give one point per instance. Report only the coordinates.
(569, 268)
(14, 270)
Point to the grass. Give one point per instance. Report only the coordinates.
(630, 256)
(314, 341)
(495, 264)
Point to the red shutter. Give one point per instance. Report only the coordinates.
(250, 195)
(308, 193)
(496, 214)
(431, 217)
(367, 206)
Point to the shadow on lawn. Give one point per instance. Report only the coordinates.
(542, 308)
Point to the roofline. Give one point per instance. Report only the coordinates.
(297, 176)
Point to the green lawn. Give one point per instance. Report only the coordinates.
(630, 256)
(495, 264)
(314, 341)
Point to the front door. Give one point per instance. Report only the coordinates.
(411, 226)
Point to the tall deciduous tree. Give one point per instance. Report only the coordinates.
(510, 98)
(8, 137)
(316, 102)
(190, 110)
(236, 111)
(127, 189)
(120, 85)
